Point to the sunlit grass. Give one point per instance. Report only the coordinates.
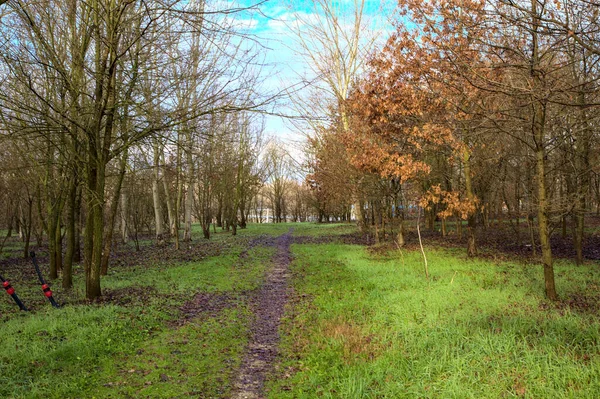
(138, 347)
(363, 323)
(372, 326)
(324, 229)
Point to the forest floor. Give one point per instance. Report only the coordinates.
(316, 311)
(505, 239)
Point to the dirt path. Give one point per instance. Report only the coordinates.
(268, 309)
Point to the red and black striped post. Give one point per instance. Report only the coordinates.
(11, 291)
(45, 286)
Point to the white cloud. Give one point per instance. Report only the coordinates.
(271, 26)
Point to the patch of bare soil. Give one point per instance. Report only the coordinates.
(207, 304)
(126, 296)
(577, 303)
(507, 241)
(127, 256)
(268, 307)
(14, 265)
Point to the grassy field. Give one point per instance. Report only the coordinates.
(134, 344)
(369, 325)
(362, 322)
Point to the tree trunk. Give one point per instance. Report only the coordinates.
(112, 216)
(20, 221)
(471, 226)
(168, 200)
(538, 132)
(124, 220)
(401, 231)
(52, 241)
(358, 212)
(78, 224)
(67, 277)
(582, 163)
(219, 215)
(158, 214)
(243, 215)
(543, 226)
(92, 286)
(94, 230)
(189, 199)
(430, 219)
(189, 194)
(58, 246)
(28, 227)
(206, 223)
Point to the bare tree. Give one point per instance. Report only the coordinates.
(334, 39)
(85, 81)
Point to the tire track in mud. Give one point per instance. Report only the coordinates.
(268, 307)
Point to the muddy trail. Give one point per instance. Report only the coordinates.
(268, 308)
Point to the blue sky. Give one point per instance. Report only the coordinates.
(270, 26)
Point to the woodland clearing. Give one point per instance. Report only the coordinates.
(351, 321)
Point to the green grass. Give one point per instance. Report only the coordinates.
(372, 326)
(195, 359)
(212, 274)
(299, 229)
(361, 324)
(11, 248)
(330, 229)
(135, 348)
(252, 229)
